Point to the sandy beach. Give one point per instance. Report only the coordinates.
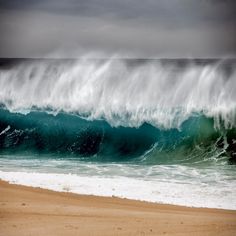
(34, 211)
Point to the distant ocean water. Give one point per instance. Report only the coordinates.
(156, 130)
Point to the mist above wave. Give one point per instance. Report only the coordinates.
(126, 94)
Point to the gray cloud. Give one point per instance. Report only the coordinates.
(152, 28)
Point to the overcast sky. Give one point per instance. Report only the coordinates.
(125, 28)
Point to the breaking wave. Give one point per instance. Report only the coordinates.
(151, 111)
(124, 92)
(65, 135)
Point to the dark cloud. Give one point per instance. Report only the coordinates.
(203, 28)
(175, 10)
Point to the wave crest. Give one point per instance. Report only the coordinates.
(124, 93)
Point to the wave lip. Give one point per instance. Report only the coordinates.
(124, 94)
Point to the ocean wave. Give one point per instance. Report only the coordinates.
(66, 135)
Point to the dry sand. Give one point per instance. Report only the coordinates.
(34, 211)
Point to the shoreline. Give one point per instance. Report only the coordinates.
(27, 210)
(128, 188)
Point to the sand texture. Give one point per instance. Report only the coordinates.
(34, 211)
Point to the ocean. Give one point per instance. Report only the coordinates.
(161, 130)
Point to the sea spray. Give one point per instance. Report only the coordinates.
(161, 93)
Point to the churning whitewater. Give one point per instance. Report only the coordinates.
(105, 127)
(124, 93)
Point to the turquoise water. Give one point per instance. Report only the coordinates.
(69, 136)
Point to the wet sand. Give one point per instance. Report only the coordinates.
(35, 211)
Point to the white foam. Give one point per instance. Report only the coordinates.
(161, 95)
(5, 130)
(165, 191)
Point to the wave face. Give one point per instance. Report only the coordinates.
(67, 135)
(129, 93)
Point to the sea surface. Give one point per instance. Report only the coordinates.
(160, 130)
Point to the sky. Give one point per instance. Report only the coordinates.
(122, 28)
